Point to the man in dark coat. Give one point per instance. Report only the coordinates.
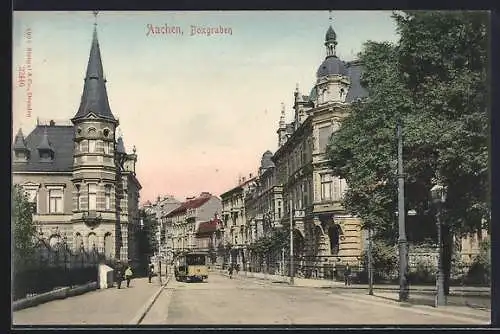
(347, 275)
(119, 274)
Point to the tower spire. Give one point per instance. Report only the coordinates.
(94, 96)
(331, 39)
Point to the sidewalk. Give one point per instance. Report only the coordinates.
(101, 307)
(468, 297)
(324, 283)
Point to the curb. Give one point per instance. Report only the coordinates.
(145, 309)
(61, 293)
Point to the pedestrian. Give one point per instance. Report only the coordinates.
(151, 269)
(119, 274)
(128, 275)
(237, 268)
(347, 275)
(230, 272)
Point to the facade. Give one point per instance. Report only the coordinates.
(79, 175)
(206, 237)
(324, 233)
(183, 222)
(234, 233)
(163, 206)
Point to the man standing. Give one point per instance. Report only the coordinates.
(128, 275)
(347, 275)
(151, 270)
(119, 274)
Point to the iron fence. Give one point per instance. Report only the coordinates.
(51, 267)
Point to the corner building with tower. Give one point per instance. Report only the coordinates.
(325, 235)
(80, 179)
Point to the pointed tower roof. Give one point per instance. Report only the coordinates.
(120, 147)
(94, 96)
(45, 143)
(19, 142)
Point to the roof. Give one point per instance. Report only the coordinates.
(190, 204)
(61, 141)
(330, 66)
(120, 147)
(19, 143)
(95, 97)
(209, 227)
(266, 161)
(330, 34)
(356, 91)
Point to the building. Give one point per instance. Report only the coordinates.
(264, 209)
(234, 231)
(206, 237)
(326, 235)
(183, 222)
(80, 177)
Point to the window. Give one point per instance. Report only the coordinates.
(326, 187)
(55, 201)
(107, 196)
(78, 197)
(92, 193)
(32, 198)
(336, 189)
(92, 146)
(324, 136)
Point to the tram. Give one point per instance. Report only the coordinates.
(191, 267)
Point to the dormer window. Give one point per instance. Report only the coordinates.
(342, 92)
(92, 131)
(105, 132)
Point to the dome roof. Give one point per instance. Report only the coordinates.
(330, 34)
(266, 161)
(331, 66)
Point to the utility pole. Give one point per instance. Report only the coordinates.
(403, 250)
(370, 263)
(291, 244)
(159, 253)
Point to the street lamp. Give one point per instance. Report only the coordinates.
(438, 194)
(404, 290)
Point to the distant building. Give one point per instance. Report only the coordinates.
(183, 221)
(206, 237)
(235, 230)
(80, 177)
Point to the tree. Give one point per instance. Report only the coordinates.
(150, 229)
(434, 81)
(23, 229)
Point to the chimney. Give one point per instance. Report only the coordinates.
(250, 176)
(243, 179)
(205, 193)
(189, 198)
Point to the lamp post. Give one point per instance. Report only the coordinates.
(291, 244)
(438, 194)
(402, 242)
(370, 263)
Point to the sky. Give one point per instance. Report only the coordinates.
(200, 110)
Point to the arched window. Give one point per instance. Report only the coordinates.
(334, 236)
(92, 241)
(78, 197)
(78, 242)
(108, 245)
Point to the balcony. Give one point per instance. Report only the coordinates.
(91, 218)
(299, 214)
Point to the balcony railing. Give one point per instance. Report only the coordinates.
(299, 214)
(91, 217)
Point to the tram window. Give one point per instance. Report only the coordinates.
(195, 260)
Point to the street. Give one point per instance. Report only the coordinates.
(222, 301)
(237, 301)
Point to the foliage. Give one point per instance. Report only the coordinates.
(23, 229)
(424, 272)
(480, 270)
(150, 229)
(384, 259)
(434, 81)
(270, 243)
